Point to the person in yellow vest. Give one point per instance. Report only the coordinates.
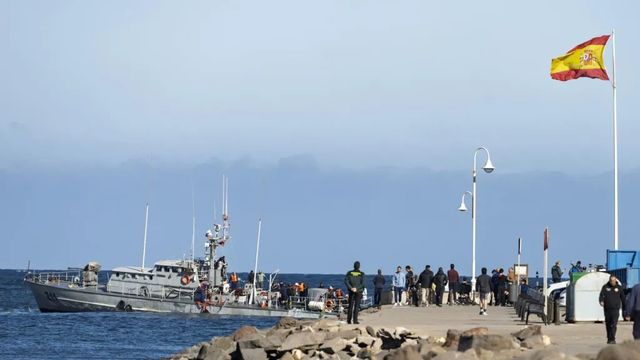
(233, 279)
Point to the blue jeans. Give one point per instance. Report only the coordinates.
(397, 290)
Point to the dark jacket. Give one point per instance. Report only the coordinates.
(379, 281)
(411, 280)
(453, 276)
(483, 284)
(556, 273)
(440, 279)
(425, 279)
(612, 297)
(502, 281)
(633, 301)
(354, 279)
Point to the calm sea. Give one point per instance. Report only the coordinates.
(26, 333)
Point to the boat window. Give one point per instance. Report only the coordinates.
(135, 276)
(128, 276)
(159, 268)
(167, 269)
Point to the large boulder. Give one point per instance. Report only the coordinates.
(536, 342)
(405, 353)
(334, 345)
(224, 344)
(302, 340)
(488, 342)
(549, 354)
(252, 341)
(475, 331)
(208, 352)
(242, 332)
(345, 334)
(452, 340)
(628, 350)
(253, 354)
(287, 323)
(529, 331)
(455, 355)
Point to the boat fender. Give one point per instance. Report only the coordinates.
(185, 280)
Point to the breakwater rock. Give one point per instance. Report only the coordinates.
(292, 339)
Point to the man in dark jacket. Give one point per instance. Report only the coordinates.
(556, 273)
(612, 299)
(633, 310)
(378, 287)
(440, 280)
(425, 280)
(502, 288)
(454, 279)
(410, 286)
(355, 284)
(483, 286)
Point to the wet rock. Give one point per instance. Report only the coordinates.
(453, 338)
(243, 331)
(302, 340)
(334, 345)
(628, 350)
(287, 323)
(253, 354)
(487, 342)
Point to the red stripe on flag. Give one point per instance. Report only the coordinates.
(546, 238)
(600, 40)
(574, 74)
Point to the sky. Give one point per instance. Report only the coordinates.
(344, 91)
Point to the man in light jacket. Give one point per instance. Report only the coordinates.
(398, 282)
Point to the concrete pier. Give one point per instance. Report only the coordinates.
(578, 338)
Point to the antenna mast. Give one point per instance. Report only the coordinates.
(144, 244)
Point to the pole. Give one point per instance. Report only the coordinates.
(255, 267)
(473, 235)
(144, 243)
(544, 279)
(518, 268)
(615, 145)
(193, 226)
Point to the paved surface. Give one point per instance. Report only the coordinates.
(573, 339)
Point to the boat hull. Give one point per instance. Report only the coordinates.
(62, 298)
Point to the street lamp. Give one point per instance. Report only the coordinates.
(488, 168)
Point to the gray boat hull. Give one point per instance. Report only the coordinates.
(62, 298)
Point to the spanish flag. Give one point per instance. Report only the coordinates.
(584, 60)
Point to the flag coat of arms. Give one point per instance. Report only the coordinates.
(584, 60)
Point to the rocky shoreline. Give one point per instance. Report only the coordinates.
(291, 339)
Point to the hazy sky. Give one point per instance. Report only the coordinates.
(348, 88)
(352, 83)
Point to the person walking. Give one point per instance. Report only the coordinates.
(378, 287)
(556, 273)
(398, 281)
(355, 284)
(502, 288)
(440, 280)
(494, 287)
(425, 281)
(483, 286)
(633, 310)
(454, 280)
(611, 300)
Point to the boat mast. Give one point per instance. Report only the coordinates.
(255, 267)
(193, 225)
(144, 243)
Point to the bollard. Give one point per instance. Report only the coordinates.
(556, 312)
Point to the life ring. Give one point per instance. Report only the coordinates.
(329, 304)
(185, 280)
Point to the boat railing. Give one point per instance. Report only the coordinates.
(55, 277)
(151, 292)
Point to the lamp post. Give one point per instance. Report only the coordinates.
(488, 168)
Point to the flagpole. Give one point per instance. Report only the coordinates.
(615, 145)
(544, 280)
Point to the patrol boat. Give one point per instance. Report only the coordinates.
(179, 286)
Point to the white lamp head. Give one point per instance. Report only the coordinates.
(463, 206)
(488, 166)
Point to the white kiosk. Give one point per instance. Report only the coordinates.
(583, 296)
